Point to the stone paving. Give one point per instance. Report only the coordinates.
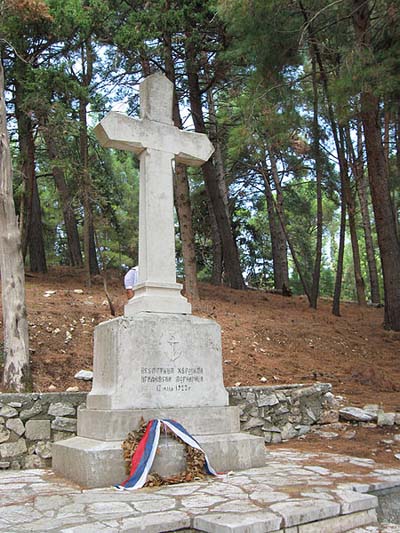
(294, 493)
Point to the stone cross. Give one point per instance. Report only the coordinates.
(158, 142)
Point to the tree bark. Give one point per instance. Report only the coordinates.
(342, 237)
(378, 178)
(351, 211)
(232, 269)
(281, 261)
(37, 255)
(362, 192)
(264, 172)
(32, 231)
(71, 229)
(318, 178)
(182, 192)
(16, 373)
(275, 231)
(89, 246)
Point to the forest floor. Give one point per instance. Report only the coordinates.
(266, 339)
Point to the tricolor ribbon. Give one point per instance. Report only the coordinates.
(143, 457)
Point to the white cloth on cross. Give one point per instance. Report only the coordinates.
(131, 277)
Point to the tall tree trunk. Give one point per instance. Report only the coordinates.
(396, 192)
(265, 174)
(318, 178)
(378, 178)
(342, 237)
(37, 256)
(351, 211)
(281, 244)
(16, 373)
(32, 237)
(89, 246)
(217, 155)
(217, 271)
(357, 165)
(71, 229)
(182, 192)
(275, 230)
(232, 267)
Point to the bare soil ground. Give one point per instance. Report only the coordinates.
(264, 337)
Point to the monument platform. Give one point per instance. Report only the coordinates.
(97, 463)
(155, 365)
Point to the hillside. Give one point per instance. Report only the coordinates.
(264, 337)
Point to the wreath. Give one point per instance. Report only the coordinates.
(195, 459)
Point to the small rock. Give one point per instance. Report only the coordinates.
(78, 291)
(326, 434)
(43, 449)
(72, 389)
(388, 442)
(61, 409)
(15, 404)
(253, 422)
(386, 419)
(238, 383)
(15, 424)
(47, 294)
(61, 423)
(13, 449)
(33, 461)
(356, 414)
(52, 388)
(396, 437)
(37, 429)
(4, 465)
(36, 409)
(85, 375)
(397, 455)
(329, 417)
(267, 400)
(349, 435)
(372, 408)
(4, 434)
(263, 379)
(8, 412)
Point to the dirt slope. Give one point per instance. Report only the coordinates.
(264, 337)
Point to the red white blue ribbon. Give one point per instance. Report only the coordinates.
(143, 457)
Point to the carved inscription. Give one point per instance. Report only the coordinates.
(172, 379)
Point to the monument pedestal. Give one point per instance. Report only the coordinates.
(155, 365)
(98, 462)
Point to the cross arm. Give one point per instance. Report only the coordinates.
(122, 132)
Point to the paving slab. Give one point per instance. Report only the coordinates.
(293, 493)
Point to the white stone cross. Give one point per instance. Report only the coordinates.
(157, 142)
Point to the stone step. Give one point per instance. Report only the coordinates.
(296, 519)
(115, 425)
(93, 463)
(384, 527)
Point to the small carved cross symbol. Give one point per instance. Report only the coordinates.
(173, 342)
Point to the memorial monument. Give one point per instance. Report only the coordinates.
(158, 360)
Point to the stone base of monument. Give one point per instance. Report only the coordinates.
(155, 365)
(98, 462)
